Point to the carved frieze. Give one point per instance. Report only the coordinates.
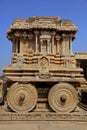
(43, 117)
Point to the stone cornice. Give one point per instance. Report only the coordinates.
(50, 23)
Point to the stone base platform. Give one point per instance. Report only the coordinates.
(43, 125)
(43, 121)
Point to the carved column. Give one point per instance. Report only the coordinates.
(48, 46)
(36, 41)
(21, 45)
(70, 44)
(58, 49)
(53, 34)
(13, 46)
(65, 44)
(41, 42)
(16, 45)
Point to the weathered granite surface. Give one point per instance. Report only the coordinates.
(45, 85)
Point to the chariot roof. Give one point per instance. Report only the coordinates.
(42, 22)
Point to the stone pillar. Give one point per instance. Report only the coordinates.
(48, 46)
(21, 46)
(58, 48)
(53, 42)
(14, 46)
(65, 45)
(70, 44)
(41, 42)
(36, 41)
(27, 46)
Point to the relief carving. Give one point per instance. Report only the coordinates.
(43, 117)
(44, 65)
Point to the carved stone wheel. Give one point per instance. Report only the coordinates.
(63, 98)
(22, 97)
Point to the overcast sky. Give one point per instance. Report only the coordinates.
(76, 10)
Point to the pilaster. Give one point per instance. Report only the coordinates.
(70, 43)
(13, 46)
(48, 46)
(53, 34)
(65, 45)
(36, 41)
(16, 45)
(58, 47)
